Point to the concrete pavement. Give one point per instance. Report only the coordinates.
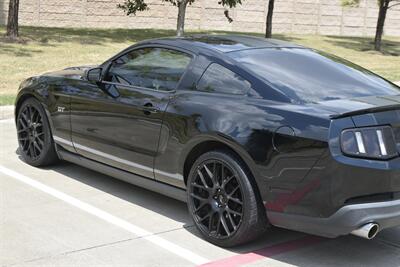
(6, 112)
(41, 229)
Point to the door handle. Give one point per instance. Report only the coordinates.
(148, 108)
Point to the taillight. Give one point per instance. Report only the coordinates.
(369, 142)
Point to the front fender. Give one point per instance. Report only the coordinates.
(33, 87)
(51, 94)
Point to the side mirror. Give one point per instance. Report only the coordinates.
(94, 75)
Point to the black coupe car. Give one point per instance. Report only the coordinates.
(251, 132)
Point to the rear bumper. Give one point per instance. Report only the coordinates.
(344, 221)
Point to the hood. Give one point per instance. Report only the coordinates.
(71, 72)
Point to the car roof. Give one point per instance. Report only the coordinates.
(222, 43)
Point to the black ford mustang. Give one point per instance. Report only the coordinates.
(250, 132)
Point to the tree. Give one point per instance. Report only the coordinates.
(133, 6)
(12, 23)
(268, 26)
(384, 6)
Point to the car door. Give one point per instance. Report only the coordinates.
(118, 121)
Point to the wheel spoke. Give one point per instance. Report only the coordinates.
(233, 212)
(22, 130)
(236, 200)
(36, 116)
(30, 113)
(223, 222)
(35, 154)
(205, 217)
(215, 174)
(199, 186)
(227, 180)
(33, 114)
(201, 199)
(24, 116)
(212, 174)
(23, 123)
(209, 173)
(32, 153)
(222, 175)
(37, 147)
(233, 191)
(40, 141)
(202, 179)
(210, 222)
(218, 225)
(200, 207)
(231, 221)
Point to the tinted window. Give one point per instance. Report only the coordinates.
(154, 68)
(308, 76)
(221, 80)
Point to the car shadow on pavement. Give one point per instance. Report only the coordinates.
(276, 244)
(149, 200)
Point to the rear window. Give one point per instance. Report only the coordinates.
(305, 75)
(221, 80)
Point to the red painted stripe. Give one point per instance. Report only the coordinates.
(266, 252)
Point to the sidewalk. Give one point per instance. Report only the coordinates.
(6, 112)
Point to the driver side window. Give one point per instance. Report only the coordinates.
(153, 68)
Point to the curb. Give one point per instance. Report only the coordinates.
(6, 112)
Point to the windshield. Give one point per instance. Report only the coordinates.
(306, 75)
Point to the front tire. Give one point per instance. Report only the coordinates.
(36, 144)
(222, 200)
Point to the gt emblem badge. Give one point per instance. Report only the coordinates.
(60, 109)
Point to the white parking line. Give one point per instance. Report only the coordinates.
(171, 247)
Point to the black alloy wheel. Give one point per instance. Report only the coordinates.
(222, 201)
(217, 199)
(35, 142)
(30, 132)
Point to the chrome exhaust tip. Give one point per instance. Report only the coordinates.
(368, 231)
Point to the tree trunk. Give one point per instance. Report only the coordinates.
(383, 7)
(180, 24)
(268, 30)
(12, 23)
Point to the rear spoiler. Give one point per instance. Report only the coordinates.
(365, 111)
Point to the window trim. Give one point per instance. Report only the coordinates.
(108, 65)
(205, 70)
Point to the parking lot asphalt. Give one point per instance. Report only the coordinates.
(66, 215)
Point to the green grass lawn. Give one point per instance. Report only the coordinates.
(46, 49)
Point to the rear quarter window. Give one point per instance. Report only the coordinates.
(219, 79)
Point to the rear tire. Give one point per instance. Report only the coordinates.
(222, 200)
(36, 145)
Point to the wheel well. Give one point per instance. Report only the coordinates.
(20, 101)
(202, 148)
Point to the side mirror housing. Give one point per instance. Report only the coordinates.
(94, 75)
